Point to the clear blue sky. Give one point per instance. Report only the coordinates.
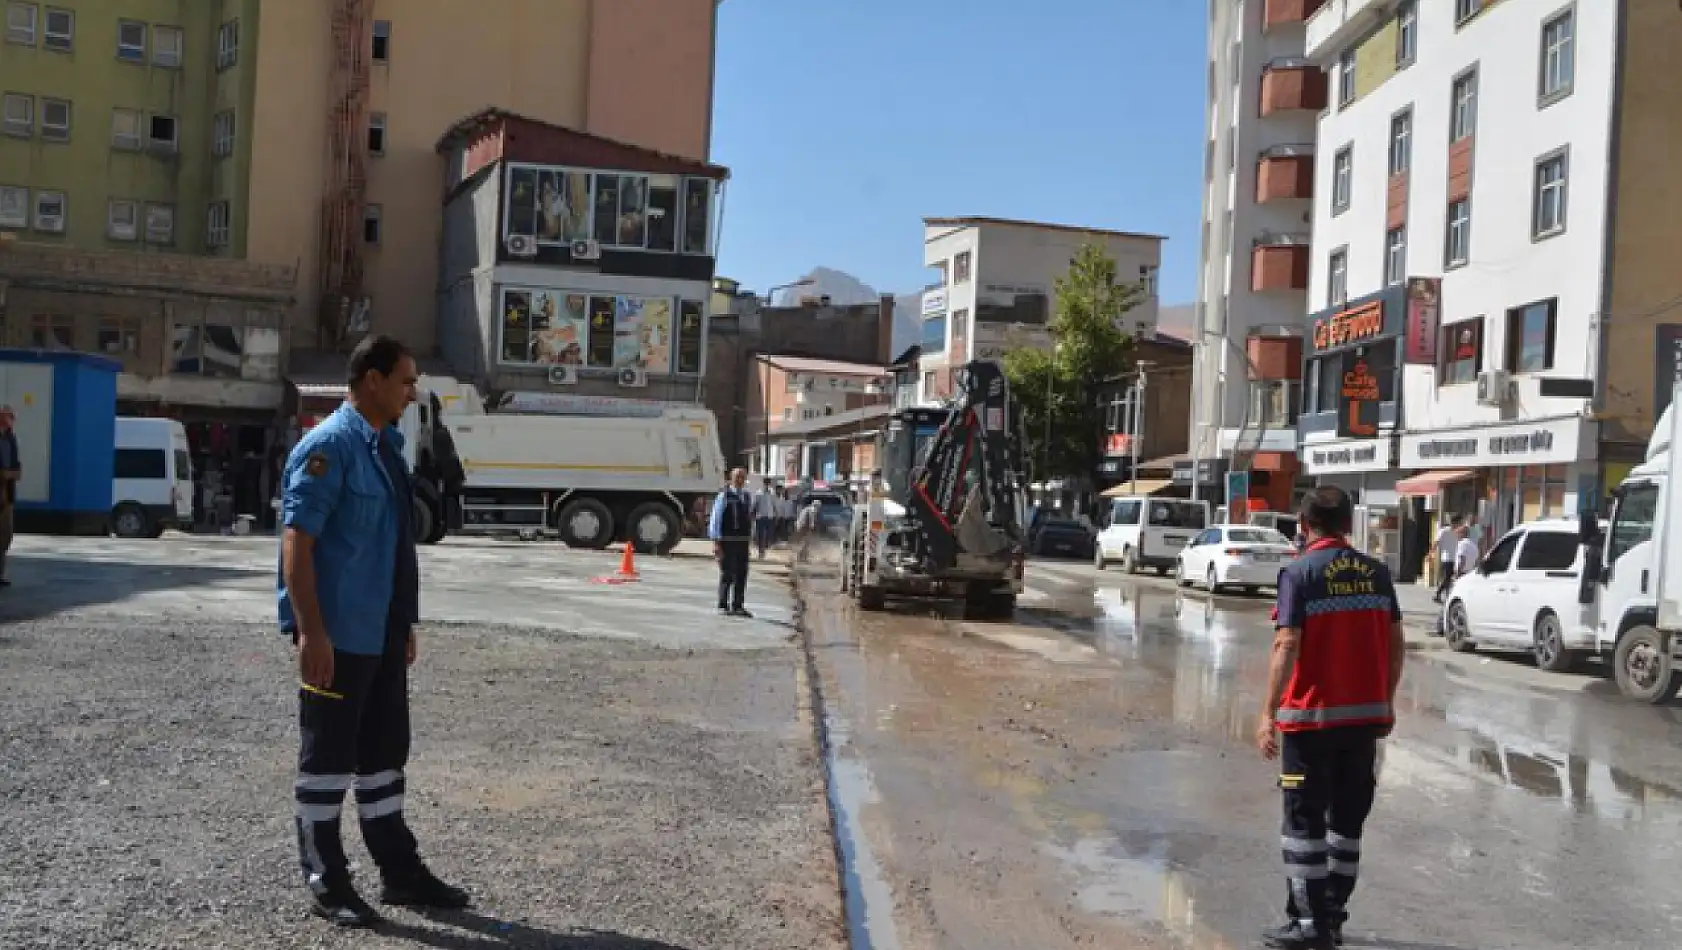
(845, 122)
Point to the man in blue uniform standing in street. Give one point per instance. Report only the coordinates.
(731, 531)
(349, 596)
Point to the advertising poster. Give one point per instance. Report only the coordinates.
(689, 337)
(558, 328)
(1424, 320)
(563, 206)
(1358, 399)
(656, 343)
(1667, 365)
(516, 326)
(627, 331)
(599, 347)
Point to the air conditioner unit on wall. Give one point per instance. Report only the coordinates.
(522, 245)
(633, 377)
(1495, 388)
(563, 375)
(586, 250)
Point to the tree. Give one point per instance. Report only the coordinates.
(1057, 388)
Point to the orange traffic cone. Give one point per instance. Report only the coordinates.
(628, 564)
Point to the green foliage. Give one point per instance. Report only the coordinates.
(1060, 385)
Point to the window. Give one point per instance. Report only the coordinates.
(961, 268)
(1395, 256)
(49, 211)
(216, 225)
(118, 338)
(697, 216)
(1147, 279)
(22, 19)
(371, 217)
(1337, 278)
(1273, 403)
(167, 44)
(1464, 118)
(222, 346)
(222, 134)
(55, 120)
(382, 40)
(662, 212)
(934, 334)
(122, 218)
(14, 206)
(131, 41)
(1547, 215)
(1346, 77)
(1500, 557)
(1530, 336)
(52, 332)
(140, 463)
(1558, 62)
(1457, 247)
(125, 129)
(1462, 352)
(227, 45)
(1463, 10)
(1548, 551)
(19, 115)
(376, 133)
(1343, 178)
(160, 224)
(1330, 371)
(1407, 32)
(691, 335)
(550, 327)
(1632, 521)
(60, 34)
(1401, 141)
(161, 132)
(557, 206)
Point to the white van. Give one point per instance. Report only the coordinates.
(151, 478)
(1140, 531)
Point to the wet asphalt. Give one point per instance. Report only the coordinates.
(1083, 776)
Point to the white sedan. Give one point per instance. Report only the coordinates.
(1234, 555)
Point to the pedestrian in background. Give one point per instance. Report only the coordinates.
(1336, 663)
(805, 527)
(731, 529)
(765, 518)
(1466, 552)
(350, 597)
(1447, 548)
(11, 470)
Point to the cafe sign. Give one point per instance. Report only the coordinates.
(1544, 442)
(1348, 327)
(1358, 398)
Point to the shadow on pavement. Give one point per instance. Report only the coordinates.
(46, 585)
(479, 932)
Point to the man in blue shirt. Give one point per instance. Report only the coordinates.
(731, 531)
(11, 469)
(349, 596)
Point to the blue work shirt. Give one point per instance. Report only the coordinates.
(338, 490)
(716, 527)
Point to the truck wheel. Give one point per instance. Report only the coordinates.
(129, 520)
(1549, 647)
(585, 523)
(871, 598)
(1643, 668)
(1001, 606)
(654, 528)
(424, 524)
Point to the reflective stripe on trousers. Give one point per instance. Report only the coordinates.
(1327, 715)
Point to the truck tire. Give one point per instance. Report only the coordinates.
(1643, 668)
(129, 520)
(423, 521)
(585, 523)
(654, 528)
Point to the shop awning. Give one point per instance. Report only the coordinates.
(1429, 483)
(1142, 486)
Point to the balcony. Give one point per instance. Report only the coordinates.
(1339, 23)
(1277, 13)
(1274, 357)
(1292, 84)
(1285, 172)
(1279, 263)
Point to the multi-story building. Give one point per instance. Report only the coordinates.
(1494, 254)
(995, 285)
(1259, 158)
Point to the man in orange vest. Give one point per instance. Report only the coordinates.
(1337, 659)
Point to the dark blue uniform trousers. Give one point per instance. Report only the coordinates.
(1328, 780)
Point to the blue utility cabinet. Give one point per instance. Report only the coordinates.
(66, 424)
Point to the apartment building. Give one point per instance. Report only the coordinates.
(1259, 170)
(995, 284)
(1495, 280)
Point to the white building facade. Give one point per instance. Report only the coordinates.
(995, 284)
(1464, 165)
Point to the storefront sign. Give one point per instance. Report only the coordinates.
(934, 302)
(1334, 458)
(1358, 397)
(1355, 325)
(1667, 366)
(1424, 320)
(1545, 442)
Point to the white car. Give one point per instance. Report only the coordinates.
(1523, 596)
(1234, 555)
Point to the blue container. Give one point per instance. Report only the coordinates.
(66, 425)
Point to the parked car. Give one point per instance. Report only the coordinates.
(834, 514)
(1234, 555)
(1062, 537)
(1148, 532)
(1523, 596)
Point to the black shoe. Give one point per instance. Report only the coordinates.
(741, 612)
(1291, 937)
(419, 887)
(723, 611)
(340, 905)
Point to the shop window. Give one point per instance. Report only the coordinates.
(595, 331)
(691, 336)
(1381, 362)
(1462, 352)
(226, 344)
(1530, 337)
(119, 338)
(52, 332)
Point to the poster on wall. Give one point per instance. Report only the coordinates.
(1358, 398)
(516, 326)
(1667, 365)
(689, 336)
(1424, 320)
(598, 349)
(558, 327)
(563, 206)
(653, 341)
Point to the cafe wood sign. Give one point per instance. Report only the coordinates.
(1355, 325)
(1358, 397)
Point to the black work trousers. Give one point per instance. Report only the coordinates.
(733, 558)
(1328, 777)
(355, 735)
